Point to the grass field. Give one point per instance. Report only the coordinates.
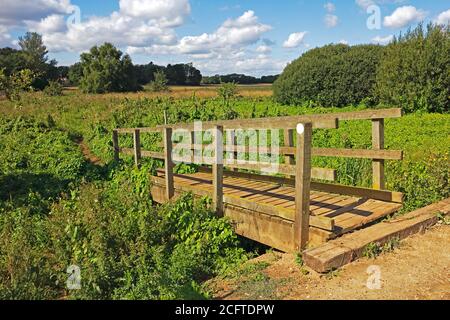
(57, 209)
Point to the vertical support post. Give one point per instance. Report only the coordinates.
(116, 148)
(232, 143)
(289, 142)
(170, 190)
(302, 185)
(137, 147)
(378, 164)
(193, 145)
(218, 171)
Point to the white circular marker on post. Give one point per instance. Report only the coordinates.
(300, 128)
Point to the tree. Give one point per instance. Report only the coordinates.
(334, 75)
(227, 91)
(11, 60)
(160, 82)
(414, 73)
(176, 74)
(75, 73)
(106, 69)
(35, 56)
(193, 75)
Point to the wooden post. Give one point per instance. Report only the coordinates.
(232, 142)
(170, 190)
(378, 144)
(218, 171)
(289, 142)
(116, 148)
(302, 186)
(137, 147)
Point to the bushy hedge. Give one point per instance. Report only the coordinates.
(415, 71)
(334, 75)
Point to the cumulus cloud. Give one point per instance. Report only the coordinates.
(5, 38)
(233, 33)
(364, 4)
(331, 20)
(343, 41)
(404, 16)
(15, 12)
(295, 40)
(383, 40)
(443, 18)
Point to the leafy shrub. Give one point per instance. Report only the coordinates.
(160, 82)
(227, 91)
(414, 71)
(334, 75)
(53, 89)
(15, 84)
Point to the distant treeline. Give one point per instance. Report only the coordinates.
(238, 78)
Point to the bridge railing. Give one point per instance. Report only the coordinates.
(226, 151)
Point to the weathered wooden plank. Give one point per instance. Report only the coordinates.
(168, 163)
(378, 144)
(302, 185)
(350, 247)
(137, 147)
(350, 153)
(217, 170)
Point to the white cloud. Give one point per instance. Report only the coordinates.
(330, 7)
(295, 40)
(404, 16)
(50, 24)
(233, 33)
(15, 12)
(443, 18)
(168, 13)
(264, 49)
(331, 20)
(343, 42)
(383, 40)
(5, 38)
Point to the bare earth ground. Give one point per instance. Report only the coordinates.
(418, 269)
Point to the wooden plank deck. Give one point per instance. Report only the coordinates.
(348, 212)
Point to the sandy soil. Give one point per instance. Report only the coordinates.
(418, 269)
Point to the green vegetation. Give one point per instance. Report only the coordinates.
(334, 75)
(412, 73)
(160, 82)
(373, 250)
(106, 69)
(15, 84)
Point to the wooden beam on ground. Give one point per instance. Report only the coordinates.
(217, 170)
(302, 186)
(170, 191)
(378, 144)
(350, 247)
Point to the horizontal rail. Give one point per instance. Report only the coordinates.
(319, 121)
(318, 152)
(316, 173)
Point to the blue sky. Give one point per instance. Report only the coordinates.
(249, 36)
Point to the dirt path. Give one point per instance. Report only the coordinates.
(87, 153)
(418, 269)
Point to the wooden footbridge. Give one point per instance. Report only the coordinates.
(259, 174)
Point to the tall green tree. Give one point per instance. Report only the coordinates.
(35, 55)
(106, 69)
(414, 73)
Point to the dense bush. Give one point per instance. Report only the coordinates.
(334, 75)
(414, 73)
